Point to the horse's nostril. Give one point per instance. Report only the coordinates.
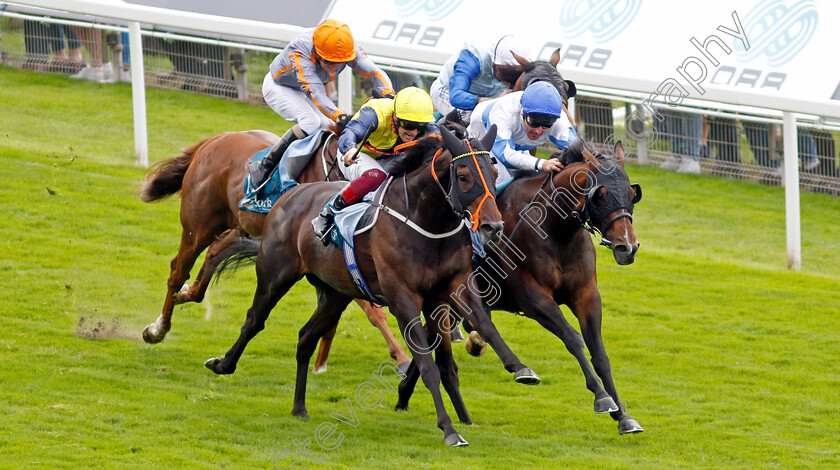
(621, 249)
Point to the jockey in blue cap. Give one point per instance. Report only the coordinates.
(524, 121)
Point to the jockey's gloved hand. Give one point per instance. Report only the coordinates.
(342, 120)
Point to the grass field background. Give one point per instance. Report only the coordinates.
(726, 358)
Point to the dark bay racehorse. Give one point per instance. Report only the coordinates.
(547, 258)
(210, 177)
(409, 269)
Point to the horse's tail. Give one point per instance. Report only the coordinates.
(166, 177)
(242, 252)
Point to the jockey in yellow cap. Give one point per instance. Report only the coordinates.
(380, 126)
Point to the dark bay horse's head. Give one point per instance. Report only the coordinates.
(545, 70)
(606, 195)
(472, 188)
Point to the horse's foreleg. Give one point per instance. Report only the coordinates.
(324, 352)
(471, 308)
(407, 310)
(330, 306)
(379, 319)
(193, 242)
(588, 311)
(196, 291)
(449, 369)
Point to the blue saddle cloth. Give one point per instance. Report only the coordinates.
(347, 221)
(283, 178)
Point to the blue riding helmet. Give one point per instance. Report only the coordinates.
(542, 98)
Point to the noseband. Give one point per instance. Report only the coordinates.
(592, 218)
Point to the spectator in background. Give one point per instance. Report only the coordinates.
(685, 133)
(722, 134)
(200, 66)
(477, 74)
(96, 69)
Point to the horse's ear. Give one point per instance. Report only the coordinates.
(489, 139)
(449, 140)
(526, 64)
(518, 85)
(555, 57)
(618, 152)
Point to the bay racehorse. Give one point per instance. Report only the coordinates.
(210, 177)
(411, 265)
(547, 258)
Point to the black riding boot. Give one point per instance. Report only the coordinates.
(324, 222)
(260, 170)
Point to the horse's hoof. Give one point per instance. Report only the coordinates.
(400, 406)
(319, 370)
(475, 345)
(526, 376)
(302, 414)
(455, 440)
(628, 425)
(213, 364)
(605, 405)
(151, 338)
(456, 336)
(402, 368)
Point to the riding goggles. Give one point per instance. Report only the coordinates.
(540, 120)
(412, 125)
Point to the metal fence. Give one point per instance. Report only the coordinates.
(687, 140)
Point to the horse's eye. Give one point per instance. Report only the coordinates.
(462, 178)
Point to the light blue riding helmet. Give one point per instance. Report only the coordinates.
(542, 98)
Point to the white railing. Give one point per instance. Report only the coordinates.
(427, 61)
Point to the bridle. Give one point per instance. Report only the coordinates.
(456, 202)
(591, 218)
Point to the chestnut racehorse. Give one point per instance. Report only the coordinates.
(210, 177)
(412, 262)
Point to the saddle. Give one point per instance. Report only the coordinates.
(284, 177)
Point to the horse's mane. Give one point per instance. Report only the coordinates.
(414, 156)
(574, 153)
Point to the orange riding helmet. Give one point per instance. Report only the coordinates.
(334, 42)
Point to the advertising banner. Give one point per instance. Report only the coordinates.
(768, 53)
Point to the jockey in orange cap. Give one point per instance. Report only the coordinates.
(294, 86)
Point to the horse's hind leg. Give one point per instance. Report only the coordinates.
(588, 312)
(378, 318)
(196, 291)
(271, 286)
(330, 306)
(323, 352)
(193, 242)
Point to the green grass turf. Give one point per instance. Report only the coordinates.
(726, 358)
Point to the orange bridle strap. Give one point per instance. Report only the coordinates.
(487, 193)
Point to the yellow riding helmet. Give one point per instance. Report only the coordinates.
(334, 42)
(413, 104)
